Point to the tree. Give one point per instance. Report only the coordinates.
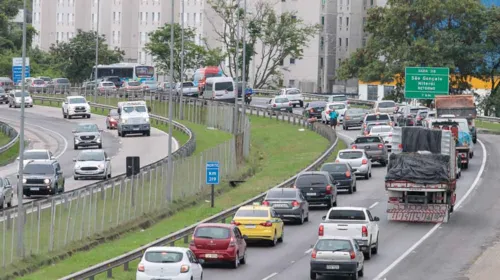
(419, 33)
(76, 58)
(194, 55)
(277, 36)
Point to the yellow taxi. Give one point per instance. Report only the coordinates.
(259, 222)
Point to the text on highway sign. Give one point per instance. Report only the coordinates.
(426, 82)
(212, 173)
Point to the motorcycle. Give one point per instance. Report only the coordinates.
(248, 99)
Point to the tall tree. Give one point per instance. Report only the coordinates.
(419, 33)
(76, 57)
(276, 36)
(194, 55)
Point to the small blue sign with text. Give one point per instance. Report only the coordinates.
(212, 173)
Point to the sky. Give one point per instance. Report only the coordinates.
(491, 2)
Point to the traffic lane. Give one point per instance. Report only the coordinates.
(473, 227)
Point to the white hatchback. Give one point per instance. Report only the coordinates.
(173, 263)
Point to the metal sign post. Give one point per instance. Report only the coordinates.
(212, 178)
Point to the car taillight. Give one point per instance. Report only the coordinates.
(141, 267)
(353, 255)
(232, 243)
(337, 160)
(364, 231)
(184, 268)
(266, 203)
(191, 243)
(1, 83)
(400, 146)
(233, 222)
(348, 174)
(380, 146)
(295, 203)
(313, 254)
(274, 105)
(267, 224)
(354, 147)
(364, 161)
(294, 186)
(393, 199)
(328, 189)
(321, 230)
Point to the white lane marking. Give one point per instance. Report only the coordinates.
(50, 130)
(373, 205)
(270, 276)
(308, 251)
(433, 229)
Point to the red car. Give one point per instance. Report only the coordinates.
(219, 243)
(112, 119)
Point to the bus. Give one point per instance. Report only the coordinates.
(201, 75)
(126, 71)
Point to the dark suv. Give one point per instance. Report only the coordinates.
(318, 188)
(42, 177)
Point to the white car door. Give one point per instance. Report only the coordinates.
(195, 265)
(373, 227)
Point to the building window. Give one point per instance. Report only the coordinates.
(201, 18)
(372, 92)
(347, 22)
(194, 19)
(291, 83)
(114, 36)
(281, 62)
(340, 22)
(340, 42)
(114, 17)
(292, 60)
(146, 17)
(346, 43)
(363, 42)
(323, 20)
(294, 17)
(143, 37)
(119, 36)
(339, 61)
(322, 43)
(388, 90)
(119, 17)
(321, 63)
(153, 14)
(371, 2)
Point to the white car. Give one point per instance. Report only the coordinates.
(340, 107)
(75, 106)
(39, 154)
(15, 99)
(359, 161)
(173, 263)
(294, 95)
(92, 164)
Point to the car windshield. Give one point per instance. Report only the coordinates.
(338, 98)
(377, 117)
(380, 129)
(365, 140)
(134, 84)
(307, 180)
(350, 155)
(113, 113)
(423, 114)
(254, 213)
(281, 100)
(334, 168)
(336, 106)
(212, 232)
(108, 84)
(187, 84)
(150, 82)
(293, 91)
(355, 111)
(415, 110)
(34, 168)
(63, 81)
(35, 155)
(347, 215)
(139, 109)
(91, 156)
(387, 104)
(87, 127)
(224, 86)
(163, 257)
(282, 193)
(79, 100)
(39, 82)
(334, 245)
(19, 94)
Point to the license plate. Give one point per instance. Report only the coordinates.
(280, 205)
(332, 267)
(136, 128)
(211, 256)
(283, 109)
(249, 226)
(311, 194)
(35, 189)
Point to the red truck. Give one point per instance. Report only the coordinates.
(458, 106)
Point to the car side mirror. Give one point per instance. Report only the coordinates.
(100, 130)
(245, 237)
(323, 218)
(74, 131)
(307, 105)
(354, 170)
(201, 261)
(376, 219)
(108, 159)
(59, 172)
(52, 157)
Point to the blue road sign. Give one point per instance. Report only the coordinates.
(212, 173)
(17, 73)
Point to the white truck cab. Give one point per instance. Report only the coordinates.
(134, 118)
(75, 106)
(294, 95)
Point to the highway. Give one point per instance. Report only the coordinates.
(45, 128)
(290, 260)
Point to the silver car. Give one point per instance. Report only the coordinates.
(359, 161)
(289, 204)
(384, 131)
(6, 193)
(281, 104)
(15, 99)
(92, 164)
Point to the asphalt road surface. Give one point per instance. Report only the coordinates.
(459, 239)
(45, 128)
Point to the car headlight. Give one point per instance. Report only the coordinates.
(146, 120)
(77, 166)
(101, 166)
(24, 180)
(98, 139)
(46, 181)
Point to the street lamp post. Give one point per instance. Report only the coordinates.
(170, 190)
(243, 71)
(181, 95)
(96, 50)
(235, 115)
(20, 208)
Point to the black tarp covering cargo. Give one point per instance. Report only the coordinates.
(419, 168)
(421, 139)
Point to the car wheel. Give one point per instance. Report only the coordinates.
(355, 188)
(280, 240)
(100, 146)
(367, 176)
(471, 155)
(383, 163)
(236, 262)
(375, 249)
(75, 147)
(119, 133)
(306, 219)
(351, 190)
(2, 204)
(361, 273)
(88, 116)
(301, 104)
(334, 204)
(75, 178)
(312, 275)
(368, 255)
(244, 259)
(301, 219)
(69, 116)
(275, 239)
(370, 173)
(355, 276)
(9, 204)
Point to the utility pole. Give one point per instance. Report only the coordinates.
(96, 50)
(235, 115)
(243, 71)
(170, 166)
(20, 208)
(182, 64)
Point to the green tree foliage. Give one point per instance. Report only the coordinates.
(276, 35)
(43, 64)
(431, 33)
(76, 58)
(194, 55)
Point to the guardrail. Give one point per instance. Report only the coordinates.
(11, 133)
(124, 260)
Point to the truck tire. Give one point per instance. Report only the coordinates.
(301, 104)
(312, 275)
(375, 249)
(368, 255)
(471, 154)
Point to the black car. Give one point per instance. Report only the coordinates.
(314, 109)
(317, 187)
(343, 174)
(87, 135)
(42, 177)
(4, 98)
(289, 203)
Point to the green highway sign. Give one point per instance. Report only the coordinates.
(426, 82)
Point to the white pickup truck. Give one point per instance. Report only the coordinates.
(355, 222)
(293, 95)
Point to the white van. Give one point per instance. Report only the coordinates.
(219, 88)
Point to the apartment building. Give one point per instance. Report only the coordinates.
(125, 23)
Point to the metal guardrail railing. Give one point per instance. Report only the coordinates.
(314, 96)
(125, 259)
(11, 133)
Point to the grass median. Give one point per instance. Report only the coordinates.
(278, 151)
(488, 125)
(10, 154)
